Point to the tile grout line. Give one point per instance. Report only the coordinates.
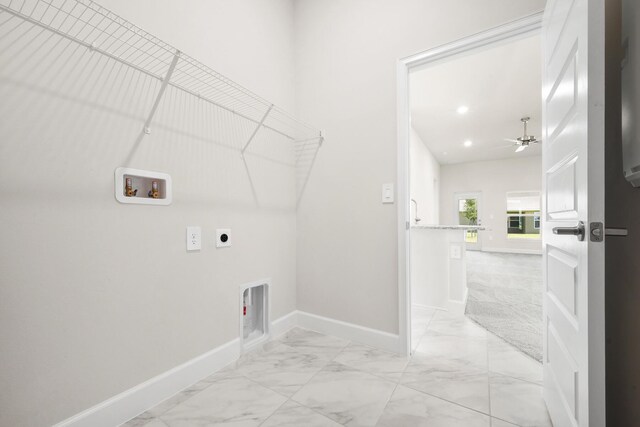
(158, 416)
(313, 376)
(446, 400)
(489, 379)
(426, 329)
(290, 398)
(511, 347)
(274, 411)
(396, 383)
(242, 374)
(374, 373)
(310, 378)
(333, 360)
(387, 403)
(326, 362)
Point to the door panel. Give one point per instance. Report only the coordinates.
(573, 166)
(561, 202)
(564, 371)
(558, 12)
(561, 101)
(561, 273)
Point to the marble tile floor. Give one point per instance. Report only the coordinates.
(460, 375)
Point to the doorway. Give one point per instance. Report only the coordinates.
(572, 218)
(455, 357)
(468, 208)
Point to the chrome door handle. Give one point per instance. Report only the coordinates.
(621, 232)
(577, 231)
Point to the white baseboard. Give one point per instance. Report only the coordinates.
(284, 323)
(458, 307)
(514, 251)
(425, 307)
(131, 403)
(371, 337)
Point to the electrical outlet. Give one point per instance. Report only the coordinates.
(223, 237)
(194, 238)
(455, 252)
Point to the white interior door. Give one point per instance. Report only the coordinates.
(573, 162)
(468, 211)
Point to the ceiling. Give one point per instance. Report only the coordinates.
(498, 85)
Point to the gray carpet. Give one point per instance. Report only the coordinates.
(505, 297)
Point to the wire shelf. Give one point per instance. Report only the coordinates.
(100, 30)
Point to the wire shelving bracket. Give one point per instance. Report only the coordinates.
(102, 31)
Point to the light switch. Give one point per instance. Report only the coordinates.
(387, 193)
(194, 238)
(455, 251)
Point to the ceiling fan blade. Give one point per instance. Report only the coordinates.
(521, 148)
(515, 141)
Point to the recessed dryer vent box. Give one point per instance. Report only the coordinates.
(142, 187)
(254, 314)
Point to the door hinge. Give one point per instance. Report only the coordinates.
(597, 232)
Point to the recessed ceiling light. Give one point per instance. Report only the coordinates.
(468, 143)
(463, 109)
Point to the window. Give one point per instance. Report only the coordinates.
(514, 222)
(523, 215)
(468, 215)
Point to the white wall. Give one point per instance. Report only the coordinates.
(96, 296)
(424, 181)
(493, 179)
(346, 57)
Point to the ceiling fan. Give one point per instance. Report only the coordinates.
(523, 142)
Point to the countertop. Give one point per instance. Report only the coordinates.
(449, 227)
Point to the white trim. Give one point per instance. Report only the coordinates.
(349, 331)
(522, 27)
(284, 324)
(457, 306)
(513, 251)
(131, 403)
(404, 209)
(519, 28)
(415, 306)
